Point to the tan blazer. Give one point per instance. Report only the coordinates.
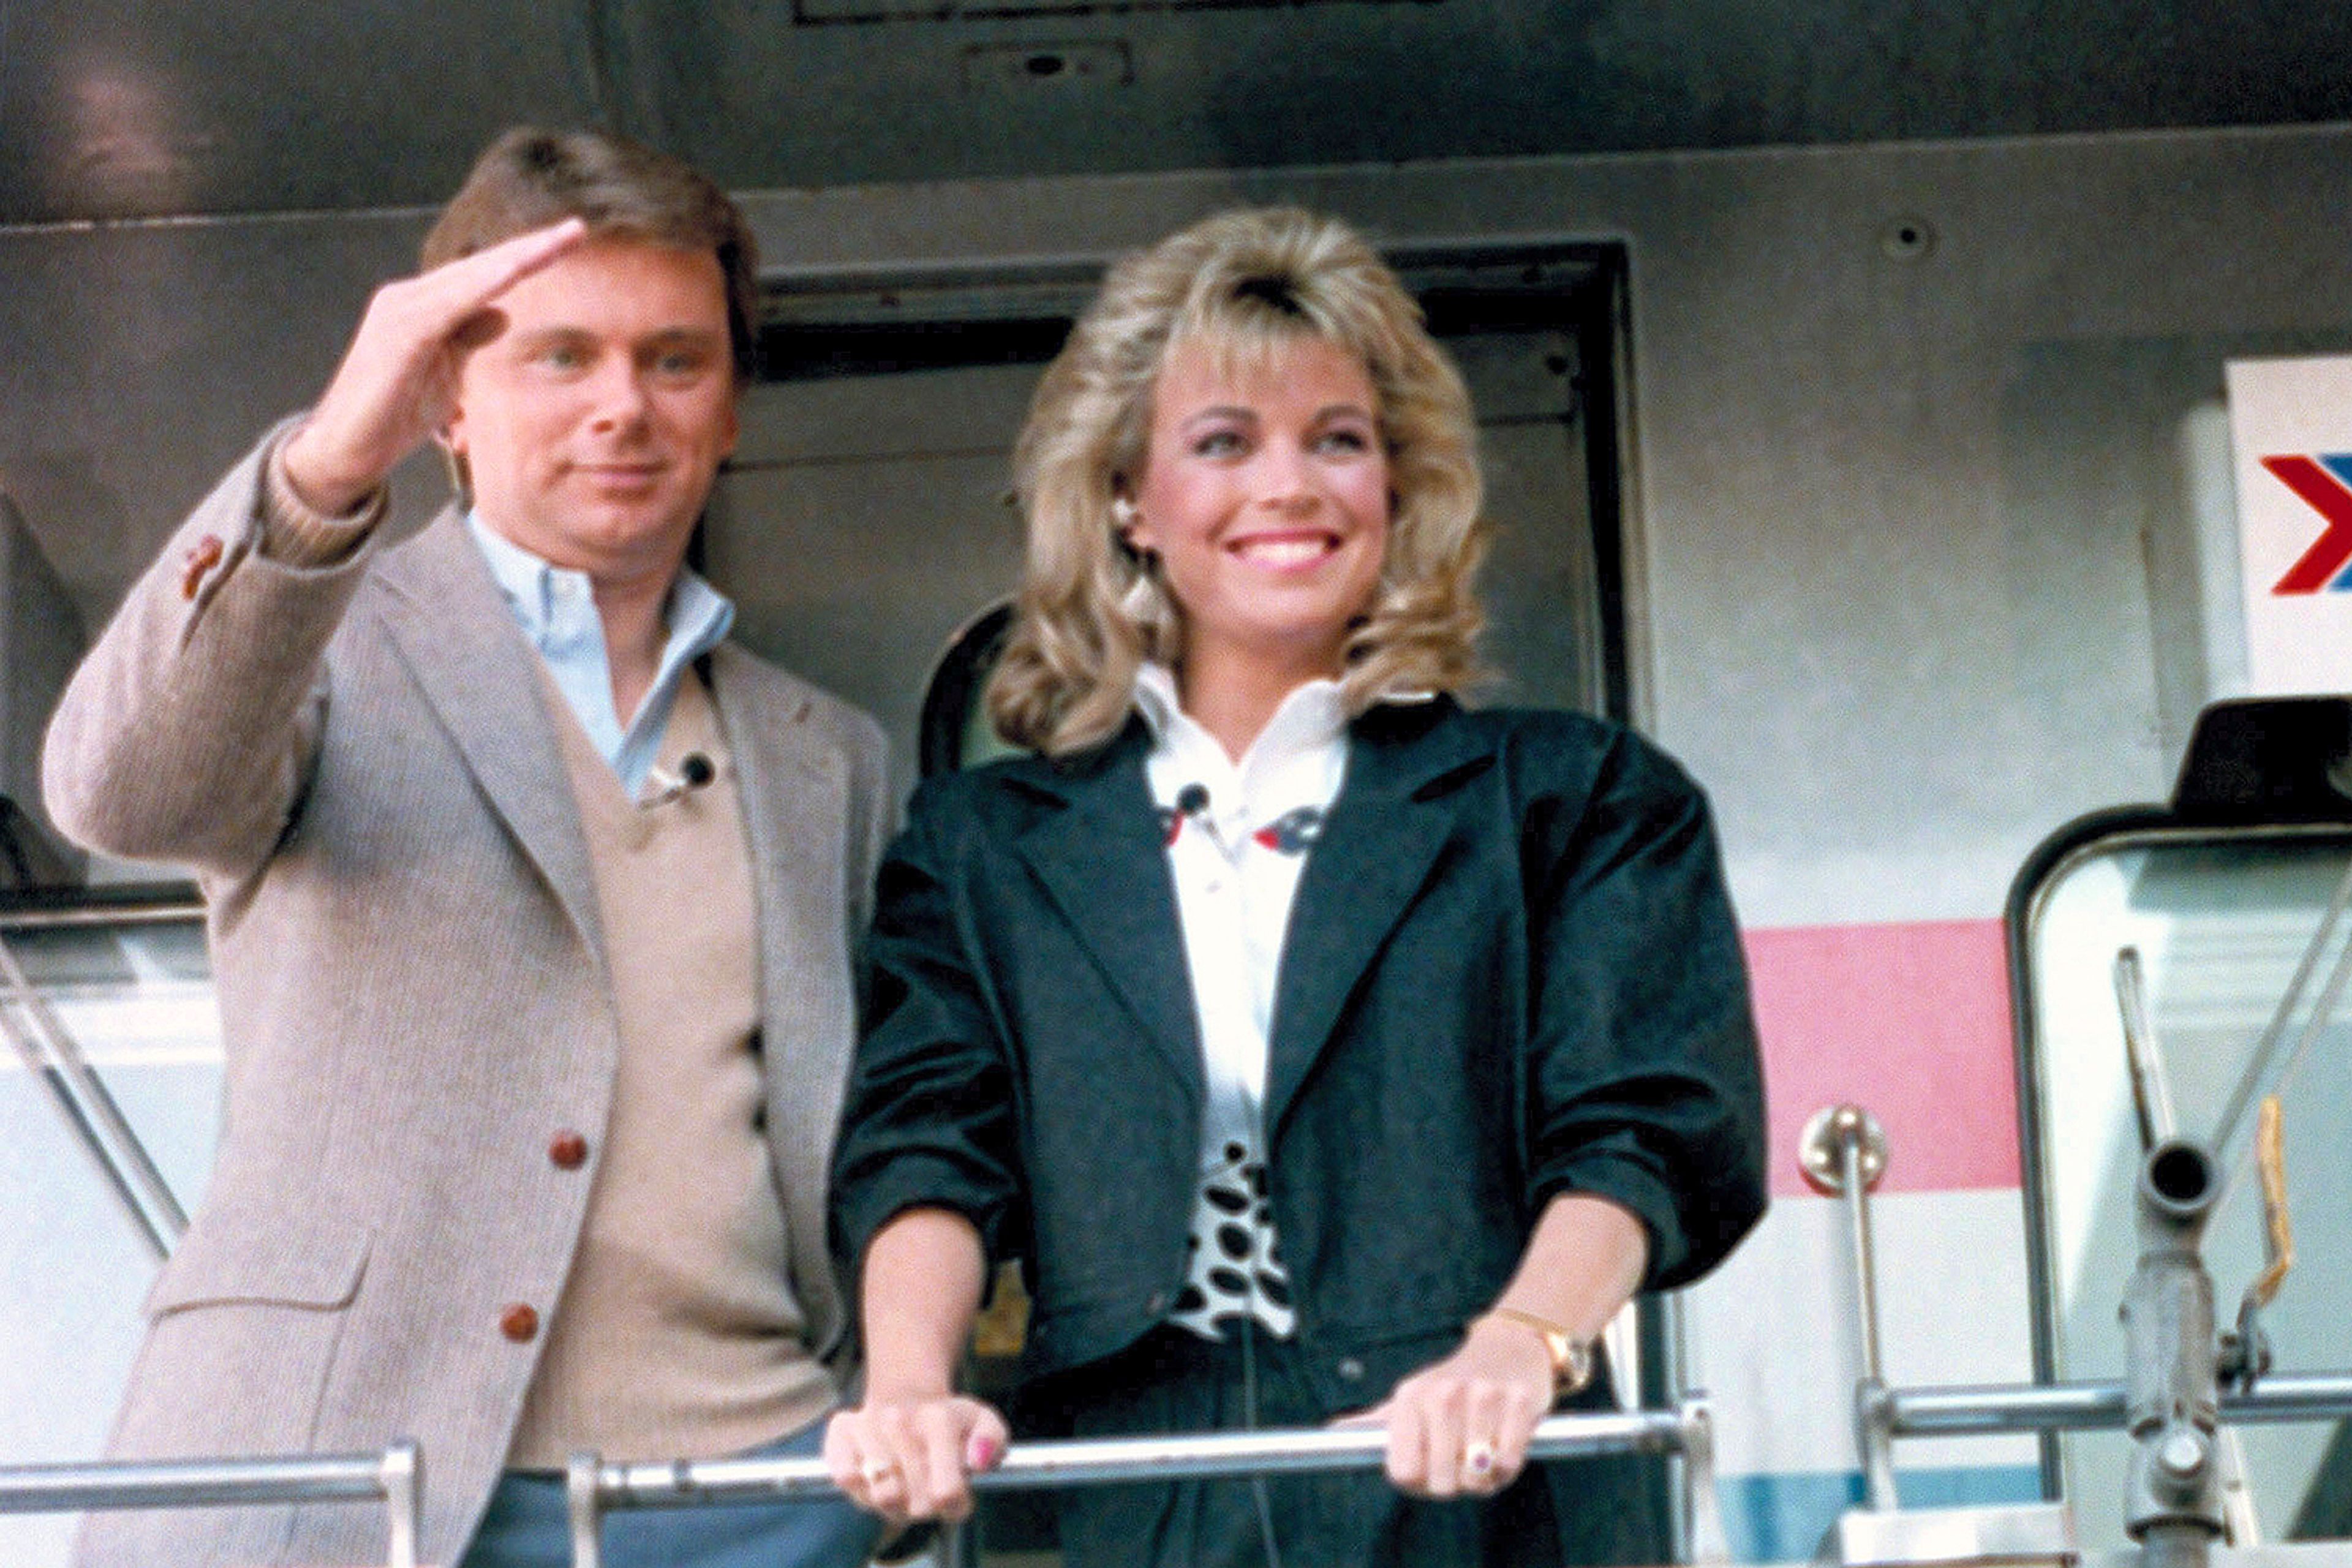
(356, 764)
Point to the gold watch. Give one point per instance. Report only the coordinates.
(1571, 1358)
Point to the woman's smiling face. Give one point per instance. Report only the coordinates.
(1265, 493)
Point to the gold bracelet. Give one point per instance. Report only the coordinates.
(1571, 1358)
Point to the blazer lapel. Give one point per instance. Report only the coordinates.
(794, 794)
(1104, 864)
(1395, 811)
(457, 638)
(795, 799)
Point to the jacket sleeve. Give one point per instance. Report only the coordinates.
(929, 1120)
(187, 734)
(1643, 1081)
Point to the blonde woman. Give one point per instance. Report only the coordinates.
(1324, 1048)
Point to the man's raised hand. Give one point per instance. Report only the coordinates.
(394, 387)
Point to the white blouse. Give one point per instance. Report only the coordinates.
(1237, 835)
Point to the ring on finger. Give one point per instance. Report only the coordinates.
(880, 1470)
(1478, 1458)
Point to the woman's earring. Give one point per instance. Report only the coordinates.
(1122, 513)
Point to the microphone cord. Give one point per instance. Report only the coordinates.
(1192, 801)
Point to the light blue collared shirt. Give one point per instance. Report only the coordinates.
(556, 608)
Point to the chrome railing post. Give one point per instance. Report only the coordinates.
(583, 1505)
(402, 1477)
(1710, 1543)
(2172, 1504)
(1843, 1151)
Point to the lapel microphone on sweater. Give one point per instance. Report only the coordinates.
(694, 771)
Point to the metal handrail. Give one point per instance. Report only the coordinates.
(394, 1477)
(171, 909)
(1994, 1409)
(593, 1486)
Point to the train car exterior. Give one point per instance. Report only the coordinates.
(1923, 455)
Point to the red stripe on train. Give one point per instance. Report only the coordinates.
(1909, 1020)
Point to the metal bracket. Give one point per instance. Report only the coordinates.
(585, 1509)
(402, 1477)
(1710, 1543)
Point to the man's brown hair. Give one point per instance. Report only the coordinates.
(531, 177)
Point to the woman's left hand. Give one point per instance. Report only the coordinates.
(1461, 1426)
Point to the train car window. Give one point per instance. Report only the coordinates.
(2220, 917)
(865, 522)
(953, 730)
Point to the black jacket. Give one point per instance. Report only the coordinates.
(1511, 970)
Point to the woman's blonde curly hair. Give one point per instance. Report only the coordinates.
(1246, 283)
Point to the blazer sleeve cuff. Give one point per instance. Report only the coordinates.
(295, 533)
(911, 1181)
(1692, 1226)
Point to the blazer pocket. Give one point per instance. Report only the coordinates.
(275, 1258)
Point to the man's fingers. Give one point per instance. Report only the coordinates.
(458, 290)
(429, 314)
(394, 386)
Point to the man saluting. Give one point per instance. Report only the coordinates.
(532, 902)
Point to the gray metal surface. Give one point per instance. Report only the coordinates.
(116, 110)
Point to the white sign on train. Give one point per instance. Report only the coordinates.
(2291, 438)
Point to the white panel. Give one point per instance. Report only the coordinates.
(73, 1271)
(1775, 1341)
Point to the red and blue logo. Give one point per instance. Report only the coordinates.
(2324, 481)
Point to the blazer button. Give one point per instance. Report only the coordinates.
(1158, 1303)
(202, 556)
(1350, 1370)
(519, 1323)
(568, 1150)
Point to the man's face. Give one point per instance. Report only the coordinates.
(594, 401)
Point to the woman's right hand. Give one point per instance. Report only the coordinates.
(913, 1458)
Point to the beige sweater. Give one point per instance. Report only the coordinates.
(678, 1335)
